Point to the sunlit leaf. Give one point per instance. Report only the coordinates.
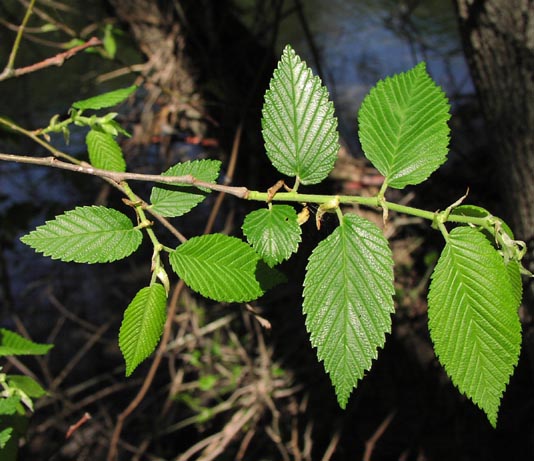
(273, 232)
(176, 200)
(299, 127)
(104, 151)
(89, 234)
(104, 100)
(223, 268)
(348, 300)
(473, 319)
(142, 325)
(12, 343)
(403, 127)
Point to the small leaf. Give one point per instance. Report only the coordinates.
(299, 127)
(102, 101)
(27, 385)
(472, 314)
(348, 300)
(142, 325)
(403, 127)
(176, 200)
(274, 233)
(9, 405)
(89, 234)
(12, 343)
(222, 268)
(5, 435)
(104, 152)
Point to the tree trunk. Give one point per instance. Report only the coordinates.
(498, 38)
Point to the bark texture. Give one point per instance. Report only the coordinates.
(498, 37)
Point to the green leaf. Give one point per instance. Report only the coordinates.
(5, 435)
(104, 152)
(274, 233)
(142, 325)
(27, 385)
(403, 127)
(102, 101)
(475, 211)
(473, 320)
(223, 268)
(9, 405)
(299, 127)
(89, 234)
(177, 200)
(348, 300)
(12, 343)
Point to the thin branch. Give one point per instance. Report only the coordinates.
(11, 61)
(56, 60)
(118, 177)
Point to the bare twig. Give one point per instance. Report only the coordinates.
(370, 444)
(74, 427)
(56, 60)
(11, 61)
(118, 177)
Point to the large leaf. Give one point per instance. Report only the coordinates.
(274, 232)
(142, 325)
(299, 127)
(473, 320)
(89, 234)
(348, 300)
(104, 152)
(12, 343)
(223, 268)
(102, 101)
(175, 200)
(403, 127)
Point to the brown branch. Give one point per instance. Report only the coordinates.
(370, 444)
(117, 177)
(56, 60)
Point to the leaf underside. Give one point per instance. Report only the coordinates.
(473, 320)
(223, 268)
(298, 122)
(403, 127)
(89, 234)
(142, 325)
(176, 200)
(273, 232)
(348, 300)
(104, 152)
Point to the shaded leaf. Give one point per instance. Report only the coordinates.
(273, 232)
(104, 152)
(142, 325)
(27, 385)
(474, 325)
(176, 200)
(403, 127)
(89, 234)
(299, 127)
(348, 300)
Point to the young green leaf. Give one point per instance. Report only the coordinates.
(299, 127)
(348, 300)
(273, 232)
(12, 343)
(142, 325)
(5, 435)
(27, 385)
(403, 127)
(223, 268)
(102, 101)
(9, 405)
(104, 152)
(473, 320)
(89, 234)
(176, 200)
